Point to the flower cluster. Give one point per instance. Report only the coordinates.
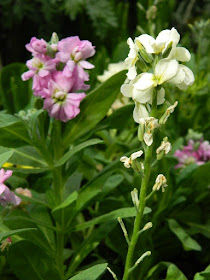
(159, 59)
(197, 152)
(7, 196)
(58, 72)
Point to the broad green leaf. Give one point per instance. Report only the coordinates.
(13, 133)
(4, 235)
(91, 273)
(76, 149)
(15, 93)
(173, 273)
(90, 243)
(94, 108)
(120, 118)
(122, 213)
(188, 243)
(91, 190)
(112, 182)
(204, 275)
(27, 160)
(68, 201)
(29, 261)
(5, 156)
(186, 172)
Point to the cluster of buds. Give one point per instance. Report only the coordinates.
(58, 72)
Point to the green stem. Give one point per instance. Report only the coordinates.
(138, 219)
(142, 198)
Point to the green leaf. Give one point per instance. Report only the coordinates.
(15, 93)
(122, 213)
(173, 273)
(13, 133)
(29, 261)
(205, 275)
(5, 156)
(68, 201)
(89, 244)
(188, 243)
(91, 273)
(76, 149)
(186, 172)
(94, 108)
(4, 235)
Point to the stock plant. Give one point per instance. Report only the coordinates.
(68, 188)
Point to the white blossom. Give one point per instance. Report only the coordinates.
(160, 182)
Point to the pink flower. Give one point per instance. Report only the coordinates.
(40, 69)
(198, 153)
(7, 196)
(37, 46)
(61, 103)
(74, 53)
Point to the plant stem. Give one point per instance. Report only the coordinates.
(138, 219)
(142, 198)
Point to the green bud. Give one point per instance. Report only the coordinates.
(54, 38)
(141, 132)
(137, 166)
(141, 65)
(147, 57)
(160, 155)
(168, 50)
(50, 51)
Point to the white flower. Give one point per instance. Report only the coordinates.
(113, 68)
(128, 161)
(131, 60)
(164, 147)
(184, 77)
(150, 125)
(160, 182)
(162, 41)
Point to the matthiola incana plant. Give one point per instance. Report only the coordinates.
(152, 63)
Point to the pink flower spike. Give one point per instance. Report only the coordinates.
(37, 46)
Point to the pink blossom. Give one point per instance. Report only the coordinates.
(37, 46)
(61, 103)
(194, 152)
(7, 196)
(40, 69)
(74, 53)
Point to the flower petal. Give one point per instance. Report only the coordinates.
(165, 70)
(144, 81)
(139, 112)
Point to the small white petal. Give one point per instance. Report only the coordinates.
(142, 96)
(189, 78)
(166, 70)
(147, 41)
(127, 90)
(145, 81)
(161, 96)
(139, 112)
(181, 54)
(148, 139)
(136, 155)
(179, 77)
(131, 72)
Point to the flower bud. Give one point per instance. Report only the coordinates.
(135, 199)
(167, 50)
(167, 113)
(141, 65)
(160, 182)
(147, 57)
(164, 148)
(54, 39)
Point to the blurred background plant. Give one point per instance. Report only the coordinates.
(181, 223)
